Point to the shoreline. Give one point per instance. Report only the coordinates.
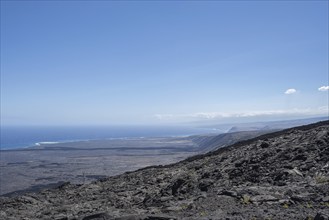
(14, 137)
(49, 143)
(56, 145)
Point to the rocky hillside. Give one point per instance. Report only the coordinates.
(209, 143)
(282, 175)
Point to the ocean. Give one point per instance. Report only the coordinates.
(13, 137)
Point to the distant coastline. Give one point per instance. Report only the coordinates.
(29, 137)
(22, 137)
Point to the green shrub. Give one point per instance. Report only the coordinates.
(245, 199)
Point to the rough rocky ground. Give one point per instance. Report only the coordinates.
(282, 175)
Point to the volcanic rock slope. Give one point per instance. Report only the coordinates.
(282, 175)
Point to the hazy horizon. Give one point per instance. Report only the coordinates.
(163, 62)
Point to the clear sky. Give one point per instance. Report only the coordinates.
(143, 62)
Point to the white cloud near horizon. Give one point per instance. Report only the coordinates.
(225, 115)
(163, 116)
(290, 91)
(323, 88)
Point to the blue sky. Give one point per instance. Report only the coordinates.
(104, 63)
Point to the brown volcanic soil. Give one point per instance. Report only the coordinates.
(282, 175)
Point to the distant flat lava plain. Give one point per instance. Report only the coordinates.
(48, 165)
